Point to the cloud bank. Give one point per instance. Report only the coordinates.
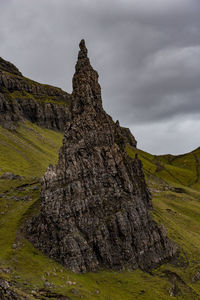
(147, 54)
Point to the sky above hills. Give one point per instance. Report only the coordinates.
(147, 54)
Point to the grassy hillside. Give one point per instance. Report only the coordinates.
(28, 150)
(175, 184)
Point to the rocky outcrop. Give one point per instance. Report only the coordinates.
(129, 138)
(45, 114)
(8, 67)
(95, 202)
(23, 99)
(7, 292)
(11, 176)
(125, 136)
(11, 82)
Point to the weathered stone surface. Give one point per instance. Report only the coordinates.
(6, 291)
(23, 99)
(11, 176)
(129, 138)
(49, 115)
(8, 67)
(95, 202)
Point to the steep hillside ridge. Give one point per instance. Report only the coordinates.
(180, 170)
(95, 202)
(24, 99)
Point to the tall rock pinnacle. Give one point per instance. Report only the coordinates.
(86, 89)
(95, 202)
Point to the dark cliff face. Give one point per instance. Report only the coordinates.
(48, 115)
(23, 99)
(95, 202)
(8, 67)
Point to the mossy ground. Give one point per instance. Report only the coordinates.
(10, 96)
(28, 150)
(175, 184)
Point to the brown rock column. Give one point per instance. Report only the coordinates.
(95, 201)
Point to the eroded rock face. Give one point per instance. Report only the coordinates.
(7, 292)
(129, 138)
(95, 202)
(48, 115)
(23, 99)
(8, 67)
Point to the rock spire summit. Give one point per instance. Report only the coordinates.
(95, 202)
(86, 89)
(83, 50)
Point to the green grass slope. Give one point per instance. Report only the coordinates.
(175, 185)
(28, 150)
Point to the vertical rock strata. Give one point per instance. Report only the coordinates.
(95, 201)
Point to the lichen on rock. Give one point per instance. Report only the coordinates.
(95, 202)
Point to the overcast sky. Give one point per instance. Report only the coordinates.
(147, 54)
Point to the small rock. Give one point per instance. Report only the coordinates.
(33, 292)
(11, 176)
(16, 198)
(34, 188)
(6, 291)
(26, 198)
(14, 246)
(48, 284)
(196, 277)
(75, 291)
(4, 284)
(5, 270)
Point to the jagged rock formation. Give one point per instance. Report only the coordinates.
(49, 115)
(23, 99)
(8, 67)
(7, 292)
(126, 135)
(95, 201)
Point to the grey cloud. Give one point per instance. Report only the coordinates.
(146, 53)
(169, 80)
(169, 133)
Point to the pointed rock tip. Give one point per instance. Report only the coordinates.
(83, 50)
(82, 44)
